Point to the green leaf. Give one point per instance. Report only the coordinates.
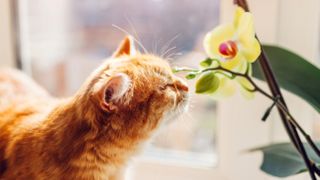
(191, 75)
(294, 74)
(207, 83)
(209, 63)
(206, 63)
(283, 160)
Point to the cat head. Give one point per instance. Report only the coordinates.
(134, 91)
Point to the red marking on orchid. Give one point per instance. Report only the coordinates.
(228, 49)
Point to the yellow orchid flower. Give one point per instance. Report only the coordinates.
(236, 47)
(233, 43)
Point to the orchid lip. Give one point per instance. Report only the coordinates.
(228, 49)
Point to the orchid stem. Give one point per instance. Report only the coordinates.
(275, 89)
(283, 108)
(275, 100)
(292, 120)
(278, 104)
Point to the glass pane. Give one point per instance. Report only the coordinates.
(63, 41)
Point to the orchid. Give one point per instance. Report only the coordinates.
(231, 50)
(234, 47)
(234, 44)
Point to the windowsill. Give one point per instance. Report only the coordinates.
(179, 158)
(158, 165)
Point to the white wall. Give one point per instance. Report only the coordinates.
(6, 43)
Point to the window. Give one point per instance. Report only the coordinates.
(59, 51)
(63, 41)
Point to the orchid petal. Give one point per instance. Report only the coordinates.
(214, 38)
(251, 51)
(245, 28)
(233, 63)
(237, 15)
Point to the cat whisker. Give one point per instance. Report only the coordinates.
(153, 47)
(154, 51)
(135, 40)
(168, 51)
(169, 59)
(166, 45)
(178, 54)
(191, 101)
(136, 33)
(171, 56)
(132, 27)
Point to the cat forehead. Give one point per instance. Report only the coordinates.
(147, 62)
(143, 58)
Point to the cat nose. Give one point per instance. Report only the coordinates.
(181, 85)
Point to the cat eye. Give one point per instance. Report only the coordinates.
(162, 88)
(166, 86)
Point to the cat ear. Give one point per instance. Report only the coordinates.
(126, 47)
(115, 88)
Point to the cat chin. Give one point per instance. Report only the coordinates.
(170, 116)
(175, 113)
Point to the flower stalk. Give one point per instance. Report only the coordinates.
(276, 102)
(231, 50)
(289, 125)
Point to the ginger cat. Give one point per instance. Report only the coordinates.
(92, 134)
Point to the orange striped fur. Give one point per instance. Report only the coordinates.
(92, 134)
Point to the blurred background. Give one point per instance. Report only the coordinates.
(59, 43)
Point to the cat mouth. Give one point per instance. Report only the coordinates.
(182, 100)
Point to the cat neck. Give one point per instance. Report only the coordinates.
(78, 132)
